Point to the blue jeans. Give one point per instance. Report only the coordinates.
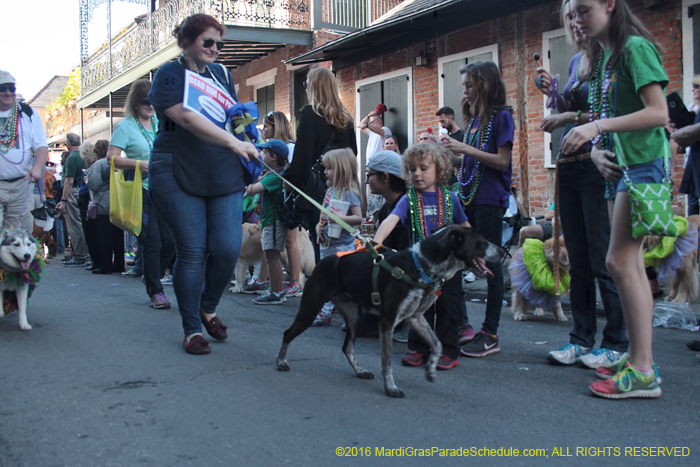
(488, 220)
(207, 234)
(585, 222)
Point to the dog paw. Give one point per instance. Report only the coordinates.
(25, 327)
(538, 312)
(364, 374)
(520, 317)
(430, 374)
(282, 365)
(561, 317)
(234, 290)
(394, 392)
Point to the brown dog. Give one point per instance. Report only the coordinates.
(685, 282)
(520, 304)
(251, 254)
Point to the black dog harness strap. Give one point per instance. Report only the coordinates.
(397, 273)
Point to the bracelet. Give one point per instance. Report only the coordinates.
(596, 124)
(576, 119)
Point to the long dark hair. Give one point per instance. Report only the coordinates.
(623, 24)
(491, 89)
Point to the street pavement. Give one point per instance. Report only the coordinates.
(102, 380)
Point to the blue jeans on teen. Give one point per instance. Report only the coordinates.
(585, 222)
(488, 220)
(207, 234)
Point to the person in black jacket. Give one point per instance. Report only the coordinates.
(324, 124)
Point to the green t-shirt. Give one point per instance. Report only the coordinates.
(128, 136)
(74, 168)
(272, 199)
(638, 66)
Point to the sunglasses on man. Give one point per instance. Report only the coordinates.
(4, 88)
(209, 42)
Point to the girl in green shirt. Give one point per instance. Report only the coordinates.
(626, 98)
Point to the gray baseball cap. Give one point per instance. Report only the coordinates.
(386, 161)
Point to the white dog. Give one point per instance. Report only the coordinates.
(17, 251)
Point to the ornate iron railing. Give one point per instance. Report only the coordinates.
(138, 41)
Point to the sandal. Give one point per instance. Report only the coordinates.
(215, 328)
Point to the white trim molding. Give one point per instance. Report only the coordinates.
(493, 48)
(266, 78)
(546, 36)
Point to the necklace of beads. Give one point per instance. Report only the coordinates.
(600, 99)
(419, 227)
(481, 139)
(149, 135)
(9, 133)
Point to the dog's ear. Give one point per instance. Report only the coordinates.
(456, 238)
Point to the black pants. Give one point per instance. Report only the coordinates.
(444, 317)
(110, 244)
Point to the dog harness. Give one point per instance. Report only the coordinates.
(426, 282)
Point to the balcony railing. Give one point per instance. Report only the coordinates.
(141, 39)
(349, 15)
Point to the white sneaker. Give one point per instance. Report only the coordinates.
(568, 354)
(167, 280)
(600, 357)
(469, 276)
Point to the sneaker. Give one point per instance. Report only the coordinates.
(446, 363)
(132, 273)
(167, 279)
(413, 358)
(608, 371)
(600, 357)
(255, 287)
(322, 320)
(466, 333)
(469, 277)
(567, 355)
(159, 301)
(481, 345)
(401, 332)
(270, 298)
(292, 290)
(75, 262)
(628, 382)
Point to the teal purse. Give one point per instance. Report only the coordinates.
(650, 203)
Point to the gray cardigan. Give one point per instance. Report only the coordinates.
(98, 184)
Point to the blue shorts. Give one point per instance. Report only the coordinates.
(648, 172)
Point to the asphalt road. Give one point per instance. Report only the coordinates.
(102, 380)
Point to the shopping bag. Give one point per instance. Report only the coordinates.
(125, 200)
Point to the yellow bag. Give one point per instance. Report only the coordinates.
(125, 200)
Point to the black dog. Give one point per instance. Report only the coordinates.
(347, 282)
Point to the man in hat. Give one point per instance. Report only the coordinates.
(68, 205)
(23, 151)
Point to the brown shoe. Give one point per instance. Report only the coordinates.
(197, 345)
(215, 328)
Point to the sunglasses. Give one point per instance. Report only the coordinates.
(695, 86)
(306, 85)
(4, 88)
(146, 103)
(209, 42)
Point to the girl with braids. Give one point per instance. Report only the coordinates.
(583, 210)
(427, 207)
(626, 98)
(484, 183)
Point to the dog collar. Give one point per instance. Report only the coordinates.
(424, 277)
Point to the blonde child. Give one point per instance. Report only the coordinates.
(341, 175)
(274, 233)
(427, 207)
(626, 98)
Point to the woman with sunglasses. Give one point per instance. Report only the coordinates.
(324, 124)
(197, 181)
(689, 137)
(134, 138)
